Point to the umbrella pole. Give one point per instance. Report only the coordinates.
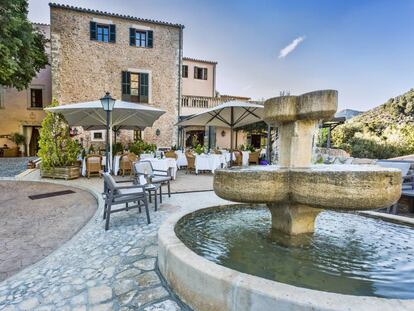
(231, 134)
(110, 150)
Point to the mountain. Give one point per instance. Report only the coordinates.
(382, 132)
(347, 114)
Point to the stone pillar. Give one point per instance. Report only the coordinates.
(293, 218)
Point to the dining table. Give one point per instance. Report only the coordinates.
(164, 164)
(209, 162)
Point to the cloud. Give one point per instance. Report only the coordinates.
(290, 47)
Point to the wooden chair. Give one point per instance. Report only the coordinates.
(254, 157)
(93, 165)
(216, 151)
(239, 158)
(171, 154)
(126, 162)
(190, 162)
(117, 195)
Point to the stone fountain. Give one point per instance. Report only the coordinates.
(204, 255)
(295, 190)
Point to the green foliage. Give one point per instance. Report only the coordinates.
(322, 137)
(57, 149)
(199, 149)
(250, 148)
(22, 47)
(141, 146)
(17, 138)
(384, 132)
(116, 148)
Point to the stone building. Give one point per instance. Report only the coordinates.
(22, 111)
(135, 59)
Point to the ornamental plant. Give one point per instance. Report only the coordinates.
(199, 149)
(57, 149)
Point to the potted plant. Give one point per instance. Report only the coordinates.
(58, 151)
(18, 139)
(199, 149)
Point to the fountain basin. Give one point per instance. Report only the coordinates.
(205, 285)
(335, 187)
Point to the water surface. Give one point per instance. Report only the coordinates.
(348, 253)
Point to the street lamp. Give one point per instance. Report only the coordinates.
(108, 104)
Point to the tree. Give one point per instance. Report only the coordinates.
(22, 47)
(57, 149)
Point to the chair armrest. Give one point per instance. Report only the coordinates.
(130, 187)
(168, 172)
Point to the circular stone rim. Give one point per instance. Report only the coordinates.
(188, 273)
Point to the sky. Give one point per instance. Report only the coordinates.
(364, 49)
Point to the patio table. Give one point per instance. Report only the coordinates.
(181, 159)
(115, 163)
(164, 165)
(209, 162)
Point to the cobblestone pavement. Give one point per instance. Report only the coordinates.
(102, 270)
(10, 167)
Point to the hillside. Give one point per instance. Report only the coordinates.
(383, 132)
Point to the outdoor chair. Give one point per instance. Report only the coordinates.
(238, 161)
(146, 174)
(407, 181)
(216, 151)
(93, 164)
(126, 162)
(116, 194)
(171, 154)
(254, 157)
(190, 162)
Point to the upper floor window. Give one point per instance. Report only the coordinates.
(185, 71)
(135, 87)
(200, 73)
(141, 38)
(103, 32)
(36, 98)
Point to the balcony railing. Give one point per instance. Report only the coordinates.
(205, 102)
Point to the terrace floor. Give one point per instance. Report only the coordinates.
(106, 270)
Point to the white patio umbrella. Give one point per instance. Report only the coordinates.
(231, 114)
(125, 115)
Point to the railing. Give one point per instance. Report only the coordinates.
(204, 102)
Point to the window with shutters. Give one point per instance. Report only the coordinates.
(185, 71)
(36, 98)
(141, 38)
(135, 87)
(200, 73)
(102, 32)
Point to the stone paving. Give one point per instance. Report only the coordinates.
(10, 167)
(32, 229)
(102, 270)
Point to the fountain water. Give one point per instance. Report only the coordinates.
(226, 258)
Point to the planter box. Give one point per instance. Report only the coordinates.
(65, 172)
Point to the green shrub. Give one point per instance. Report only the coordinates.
(199, 149)
(57, 149)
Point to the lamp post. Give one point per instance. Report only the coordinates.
(108, 104)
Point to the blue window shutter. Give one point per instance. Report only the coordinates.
(93, 31)
(112, 33)
(126, 83)
(143, 87)
(132, 32)
(150, 38)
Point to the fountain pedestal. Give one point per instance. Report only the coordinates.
(295, 191)
(293, 218)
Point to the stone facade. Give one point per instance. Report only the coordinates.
(83, 69)
(16, 113)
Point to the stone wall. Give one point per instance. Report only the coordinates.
(83, 70)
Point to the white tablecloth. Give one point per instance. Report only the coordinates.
(245, 158)
(181, 159)
(209, 162)
(164, 165)
(103, 163)
(146, 155)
